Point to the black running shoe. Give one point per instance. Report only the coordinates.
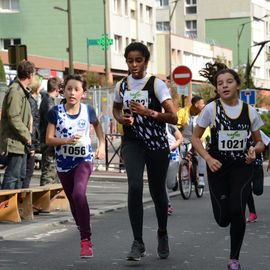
(163, 246)
(175, 186)
(137, 251)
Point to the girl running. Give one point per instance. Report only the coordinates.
(69, 131)
(138, 102)
(229, 162)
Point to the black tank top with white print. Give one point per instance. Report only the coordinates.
(229, 135)
(149, 131)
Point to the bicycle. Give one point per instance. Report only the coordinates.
(187, 172)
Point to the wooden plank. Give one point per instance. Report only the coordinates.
(25, 205)
(41, 200)
(59, 200)
(9, 208)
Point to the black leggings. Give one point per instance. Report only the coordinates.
(136, 156)
(257, 187)
(229, 190)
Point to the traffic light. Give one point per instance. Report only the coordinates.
(16, 53)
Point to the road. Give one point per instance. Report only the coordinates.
(196, 242)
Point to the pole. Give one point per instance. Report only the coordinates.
(106, 50)
(70, 46)
(88, 60)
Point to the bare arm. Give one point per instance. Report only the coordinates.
(179, 140)
(258, 148)
(213, 164)
(100, 152)
(53, 141)
(124, 119)
(169, 116)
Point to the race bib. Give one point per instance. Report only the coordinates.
(232, 140)
(140, 96)
(80, 149)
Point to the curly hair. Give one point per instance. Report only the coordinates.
(138, 46)
(212, 71)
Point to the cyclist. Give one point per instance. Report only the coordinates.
(228, 158)
(187, 118)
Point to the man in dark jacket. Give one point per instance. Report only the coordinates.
(16, 125)
(48, 169)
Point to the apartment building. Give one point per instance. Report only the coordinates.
(43, 27)
(175, 47)
(236, 24)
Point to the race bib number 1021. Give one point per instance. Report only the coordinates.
(232, 140)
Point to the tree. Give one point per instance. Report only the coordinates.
(2, 72)
(266, 119)
(93, 79)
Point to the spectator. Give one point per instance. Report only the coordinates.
(15, 127)
(48, 170)
(30, 164)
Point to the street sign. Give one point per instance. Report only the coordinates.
(93, 42)
(183, 90)
(182, 75)
(248, 96)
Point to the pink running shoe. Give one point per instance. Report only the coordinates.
(252, 217)
(170, 210)
(86, 249)
(234, 265)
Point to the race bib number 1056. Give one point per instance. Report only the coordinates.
(232, 140)
(80, 149)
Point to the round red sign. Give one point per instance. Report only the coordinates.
(182, 75)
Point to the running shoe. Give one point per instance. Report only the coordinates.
(163, 246)
(86, 249)
(252, 217)
(201, 183)
(234, 265)
(137, 251)
(170, 210)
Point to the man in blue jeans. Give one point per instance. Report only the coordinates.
(15, 127)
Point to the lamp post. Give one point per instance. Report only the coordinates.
(170, 43)
(106, 50)
(70, 46)
(249, 66)
(239, 33)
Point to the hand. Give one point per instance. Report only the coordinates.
(127, 119)
(32, 153)
(251, 155)
(137, 107)
(213, 164)
(29, 142)
(100, 152)
(74, 139)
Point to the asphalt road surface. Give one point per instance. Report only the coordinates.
(196, 242)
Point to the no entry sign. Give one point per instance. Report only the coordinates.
(182, 75)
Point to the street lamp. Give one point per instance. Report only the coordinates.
(249, 66)
(239, 33)
(70, 46)
(170, 43)
(106, 50)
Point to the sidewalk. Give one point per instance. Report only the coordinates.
(106, 192)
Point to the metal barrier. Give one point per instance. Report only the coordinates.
(109, 144)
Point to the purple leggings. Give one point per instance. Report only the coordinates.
(74, 183)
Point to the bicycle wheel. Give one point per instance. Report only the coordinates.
(185, 183)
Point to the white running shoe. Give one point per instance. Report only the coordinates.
(201, 183)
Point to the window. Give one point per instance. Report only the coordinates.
(9, 5)
(141, 12)
(117, 44)
(191, 6)
(132, 14)
(191, 29)
(162, 3)
(163, 26)
(9, 41)
(148, 15)
(126, 7)
(115, 6)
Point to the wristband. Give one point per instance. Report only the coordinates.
(152, 113)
